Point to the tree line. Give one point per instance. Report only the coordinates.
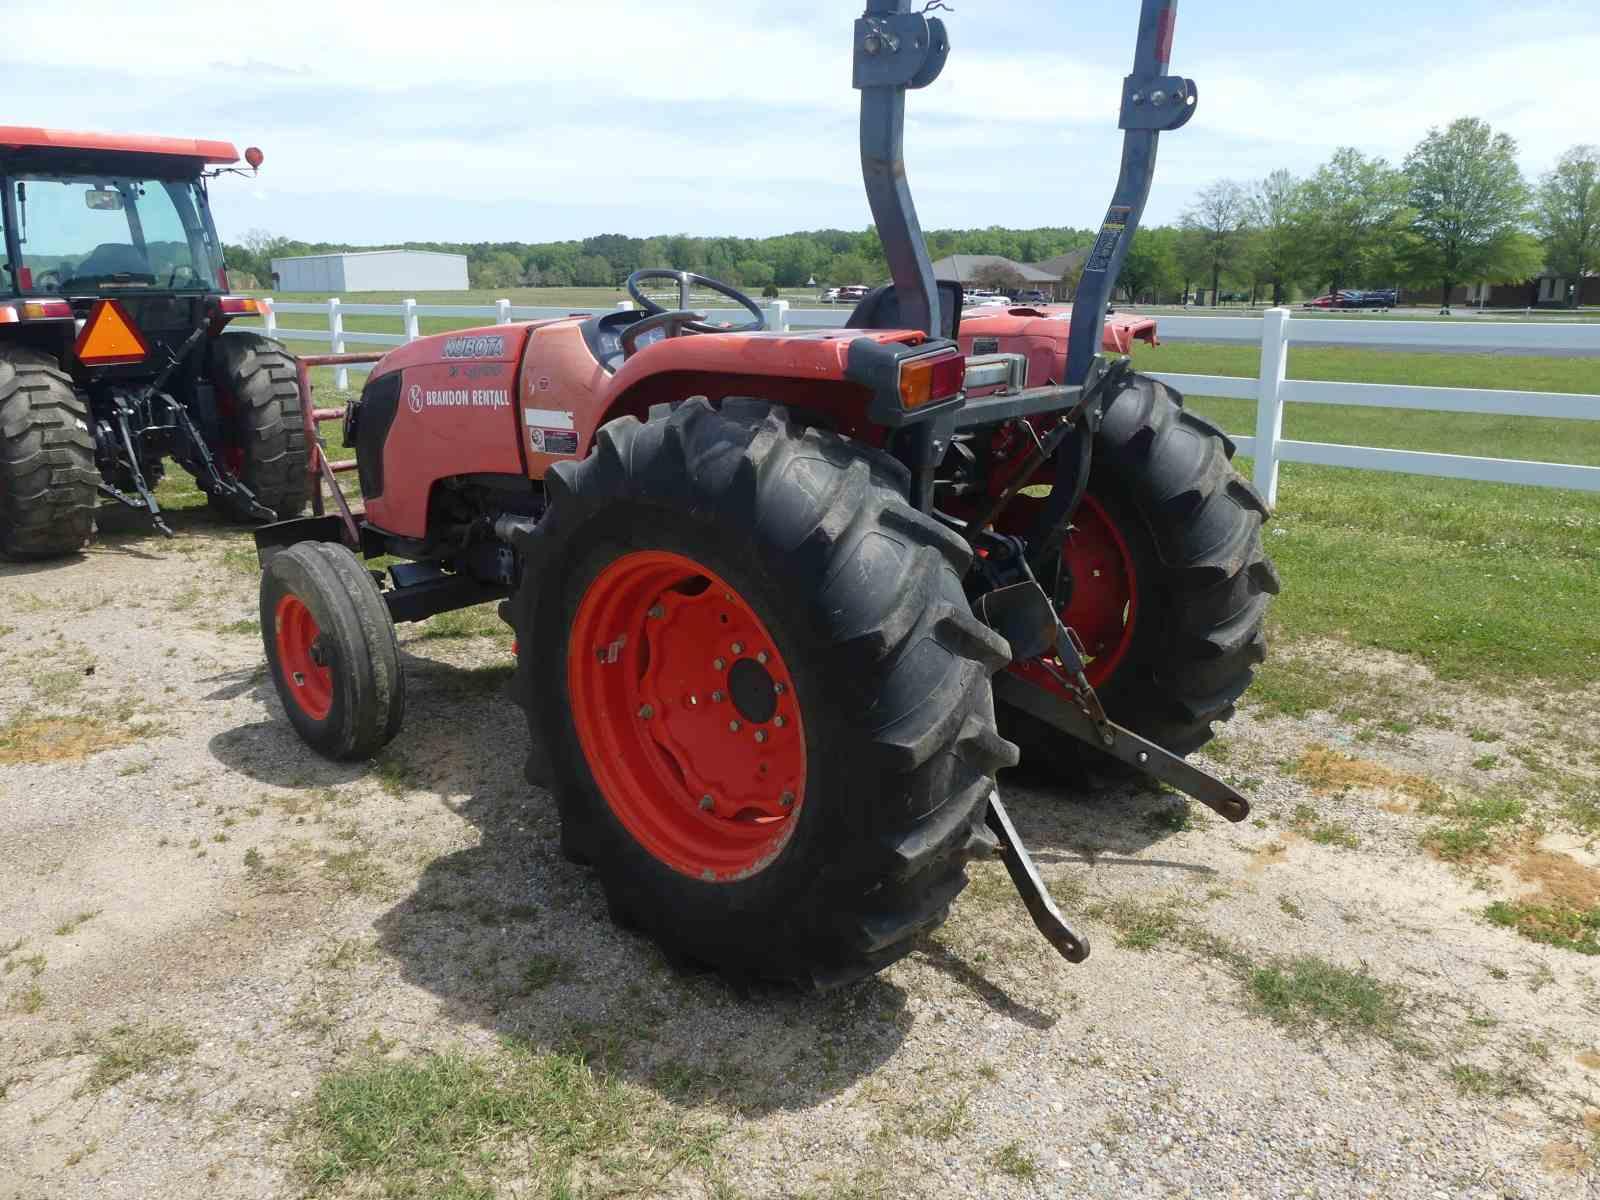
(824, 257)
(1457, 210)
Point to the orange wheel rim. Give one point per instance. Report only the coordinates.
(687, 715)
(310, 684)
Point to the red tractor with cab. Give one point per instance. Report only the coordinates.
(786, 602)
(114, 348)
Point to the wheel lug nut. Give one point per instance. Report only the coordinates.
(716, 697)
(657, 611)
(761, 656)
(299, 679)
(738, 647)
(779, 689)
(718, 664)
(646, 712)
(779, 721)
(761, 735)
(705, 803)
(733, 727)
(787, 799)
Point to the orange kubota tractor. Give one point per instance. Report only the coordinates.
(786, 602)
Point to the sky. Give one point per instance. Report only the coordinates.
(526, 120)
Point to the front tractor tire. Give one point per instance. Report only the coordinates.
(1172, 584)
(331, 650)
(48, 478)
(754, 686)
(263, 437)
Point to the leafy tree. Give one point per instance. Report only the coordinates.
(1151, 264)
(1567, 215)
(753, 272)
(499, 270)
(1470, 201)
(1191, 252)
(1218, 219)
(999, 277)
(848, 269)
(590, 270)
(1277, 250)
(1351, 214)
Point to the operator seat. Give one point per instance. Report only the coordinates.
(114, 258)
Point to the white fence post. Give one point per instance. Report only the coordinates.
(502, 312)
(409, 316)
(1269, 400)
(778, 315)
(269, 317)
(336, 341)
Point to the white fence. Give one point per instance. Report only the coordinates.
(1271, 389)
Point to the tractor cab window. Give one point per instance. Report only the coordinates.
(86, 234)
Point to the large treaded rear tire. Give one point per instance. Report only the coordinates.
(863, 597)
(258, 384)
(1193, 525)
(47, 471)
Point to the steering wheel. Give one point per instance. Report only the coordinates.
(685, 279)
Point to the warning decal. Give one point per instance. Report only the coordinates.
(553, 441)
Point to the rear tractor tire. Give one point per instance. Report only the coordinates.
(48, 478)
(263, 432)
(754, 685)
(1172, 584)
(332, 651)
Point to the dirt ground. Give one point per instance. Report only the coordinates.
(204, 928)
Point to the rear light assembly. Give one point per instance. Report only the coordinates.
(925, 381)
(8, 315)
(907, 381)
(46, 310)
(239, 306)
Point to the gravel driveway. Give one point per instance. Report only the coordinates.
(202, 925)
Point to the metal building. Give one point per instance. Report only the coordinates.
(371, 271)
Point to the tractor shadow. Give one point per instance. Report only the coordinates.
(511, 938)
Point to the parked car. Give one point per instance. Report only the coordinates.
(829, 296)
(1381, 298)
(976, 297)
(1032, 297)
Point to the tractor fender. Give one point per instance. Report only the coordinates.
(805, 372)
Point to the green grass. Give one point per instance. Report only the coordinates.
(1473, 824)
(1555, 925)
(1483, 582)
(437, 1126)
(1308, 992)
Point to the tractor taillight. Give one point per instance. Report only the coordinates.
(238, 306)
(46, 310)
(8, 315)
(927, 380)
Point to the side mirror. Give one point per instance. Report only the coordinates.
(103, 199)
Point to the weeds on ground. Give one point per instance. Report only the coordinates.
(1306, 989)
(1307, 822)
(1013, 1160)
(1557, 924)
(27, 1000)
(128, 1050)
(1500, 1082)
(482, 620)
(433, 1126)
(72, 924)
(1473, 825)
(357, 872)
(542, 970)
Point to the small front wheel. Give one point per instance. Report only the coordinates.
(332, 650)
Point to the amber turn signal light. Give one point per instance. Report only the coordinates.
(924, 381)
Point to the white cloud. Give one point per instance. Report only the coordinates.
(713, 117)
